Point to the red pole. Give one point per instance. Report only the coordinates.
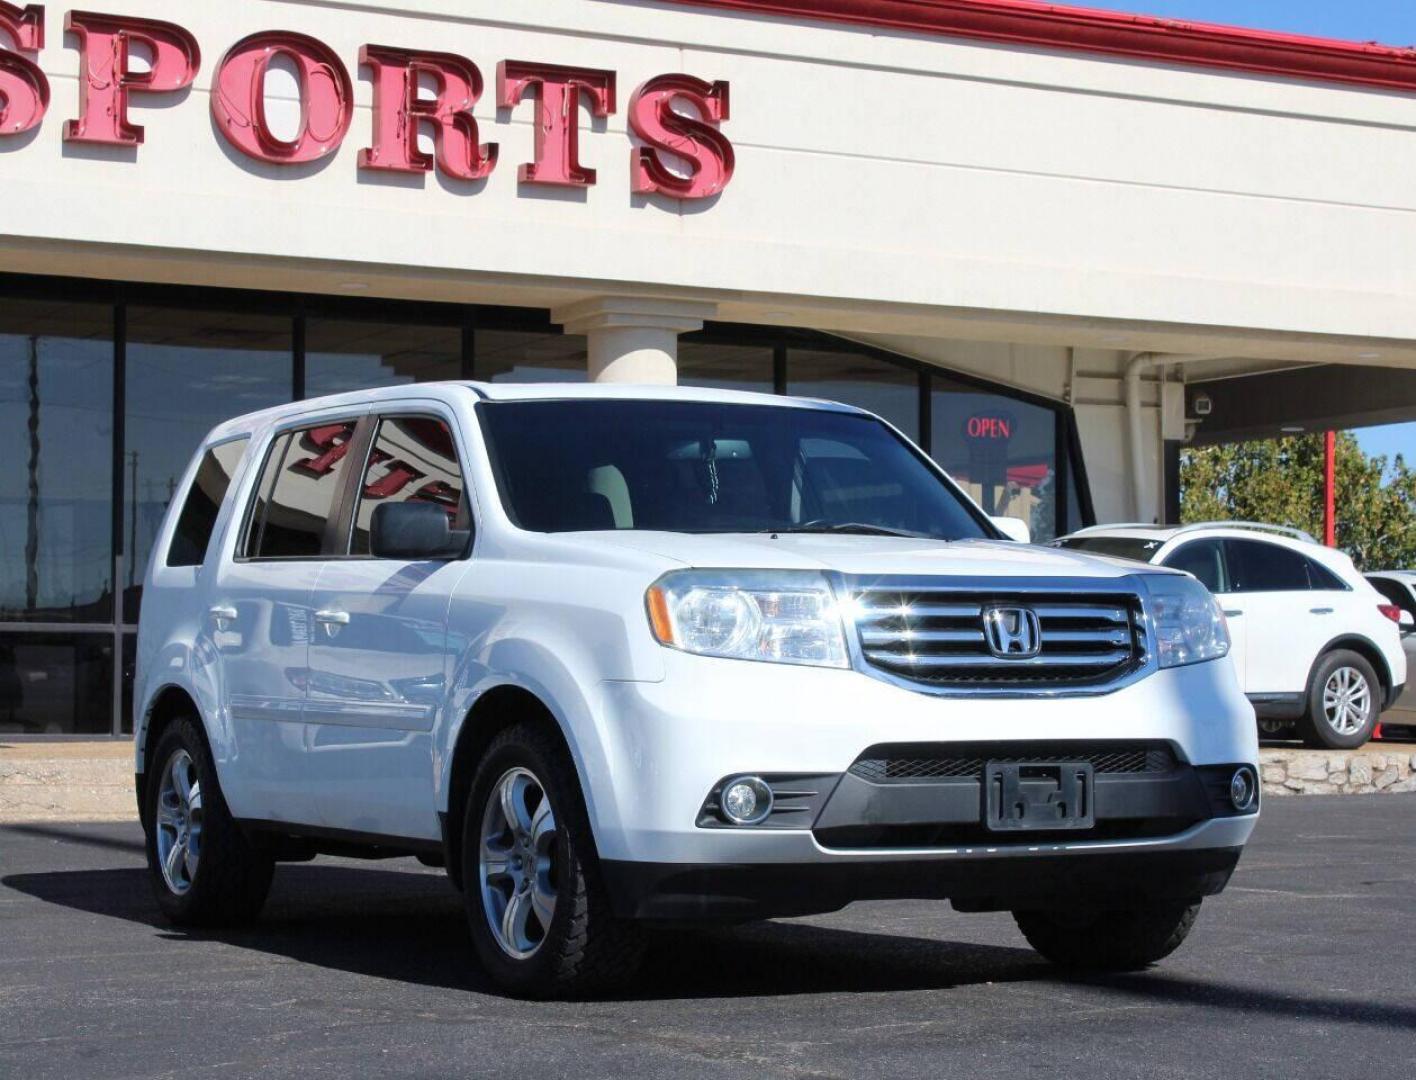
(1329, 489)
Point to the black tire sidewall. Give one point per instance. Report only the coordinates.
(1316, 731)
(528, 749)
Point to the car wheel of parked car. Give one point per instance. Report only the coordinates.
(203, 870)
(1274, 728)
(1108, 940)
(1344, 701)
(540, 918)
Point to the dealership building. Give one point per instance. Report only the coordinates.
(1051, 245)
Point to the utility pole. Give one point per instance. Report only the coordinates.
(133, 524)
(32, 503)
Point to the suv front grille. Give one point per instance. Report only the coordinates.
(935, 636)
(905, 763)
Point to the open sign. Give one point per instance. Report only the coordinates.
(989, 428)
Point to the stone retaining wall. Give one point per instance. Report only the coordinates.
(1335, 772)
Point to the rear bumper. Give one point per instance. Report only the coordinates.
(1115, 879)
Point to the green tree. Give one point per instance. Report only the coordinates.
(1280, 481)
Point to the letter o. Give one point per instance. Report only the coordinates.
(326, 98)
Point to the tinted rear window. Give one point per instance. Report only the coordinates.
(1139, 549)
(192, 535)
(297, 490)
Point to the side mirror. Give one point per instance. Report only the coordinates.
(413, 530)
(1013, 528)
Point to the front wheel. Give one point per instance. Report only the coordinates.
(540, 918)
(1343, 704)
(1092, 940)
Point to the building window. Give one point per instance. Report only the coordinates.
(725, 367)
(56, 683)
(1001, 450)
(56, 439)
(352, 355)
(187, 371)
(529, 356)
(888, 390)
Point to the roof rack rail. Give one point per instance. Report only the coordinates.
(1178, 530)
(1255, 526)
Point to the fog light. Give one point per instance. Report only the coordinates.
(1243, 788)
(746, 800)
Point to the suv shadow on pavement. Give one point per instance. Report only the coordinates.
(397, 925)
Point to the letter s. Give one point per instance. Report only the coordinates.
(24, 90)
(698, 142)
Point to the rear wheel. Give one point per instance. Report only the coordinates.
(1344, 701)
(540, 919)
(1091, 940)
(204, 872)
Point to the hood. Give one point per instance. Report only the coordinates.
(863, 555)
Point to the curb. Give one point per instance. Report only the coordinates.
(1366, 771)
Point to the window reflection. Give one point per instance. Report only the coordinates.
(867, 382)
(56, 438)
(725, 367)
(187, 372)
(519, 356)
(355, 355)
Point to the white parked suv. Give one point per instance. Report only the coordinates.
(623, 655)
(1315, 645)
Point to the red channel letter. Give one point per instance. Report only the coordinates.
(699, 143)
(107, 77)
(238, 100)
(24, 90)
(398, 110)
(558, 90)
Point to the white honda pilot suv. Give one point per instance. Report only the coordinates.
(622, 655)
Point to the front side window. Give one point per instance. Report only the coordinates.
(192, 535)
(1260, 567)
(297, 491)
(412, 459)
(1204, 559)
(708, 468)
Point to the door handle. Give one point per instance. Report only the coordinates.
(1231, 613)
(332, 618)
(1320, 611)
(223, 614)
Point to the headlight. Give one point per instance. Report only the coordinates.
(1186, 620)
(784, 616)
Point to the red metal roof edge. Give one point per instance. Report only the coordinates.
(1113, 33)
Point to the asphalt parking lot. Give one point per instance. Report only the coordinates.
(1303, 968)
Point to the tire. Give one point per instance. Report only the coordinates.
(1324, 725)
(1273, 728)
(227, 881)
(563, 941)
(1108, 940)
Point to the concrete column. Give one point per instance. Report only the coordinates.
(633, 339)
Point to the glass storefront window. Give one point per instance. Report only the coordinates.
(187, 372)
(519, 356)
(53, 684)
(725, 367)
(56, 437)
(354, 355)
(1001, 450)
(867, 382)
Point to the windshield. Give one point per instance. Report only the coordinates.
(1137, 548)
(702, 467)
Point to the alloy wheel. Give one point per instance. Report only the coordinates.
(518, 863)
(1347, 701)
(179, 822)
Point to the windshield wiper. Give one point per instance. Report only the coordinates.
(855, 528)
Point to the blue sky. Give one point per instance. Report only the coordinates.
(1392, 22)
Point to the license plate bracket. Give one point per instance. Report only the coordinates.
(1022, 797)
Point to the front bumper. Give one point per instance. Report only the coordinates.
(660, 748)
